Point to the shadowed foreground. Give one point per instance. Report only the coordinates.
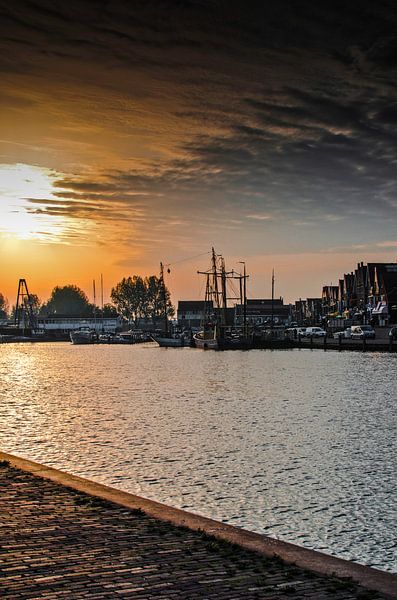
(56, 542)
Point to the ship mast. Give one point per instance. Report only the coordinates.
(272, 319)
(164, 294)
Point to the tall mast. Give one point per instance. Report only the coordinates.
(245, 302)
(164, 297)
(93, 285)
(207, 298)
(241, 295)
(102, 301)
(272, 321)
(215, 279)
(224, 293)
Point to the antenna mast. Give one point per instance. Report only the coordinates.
(24, 307)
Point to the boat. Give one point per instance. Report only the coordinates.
(218, 330)
(169, 337)
(84, 335)
(206, 340)
(172, 340)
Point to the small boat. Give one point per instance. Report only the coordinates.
(84, 335)
(172, 340)
(206, 340)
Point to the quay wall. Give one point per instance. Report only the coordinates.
(311, 560)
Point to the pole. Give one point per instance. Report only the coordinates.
(224, 292)
(215, 280)
(93, 285)
(272, 319)
(241, 300)
(103, 329)
(17, 308)
(245, 302)
(164, 298)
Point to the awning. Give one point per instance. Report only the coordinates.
(380, 309)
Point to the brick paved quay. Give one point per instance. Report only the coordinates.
(58, 542)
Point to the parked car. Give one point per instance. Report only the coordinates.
(339, 334)
(393, 333)
(295, 332)
(300, 331)
(362, 331)
(346, 333)
(315, 332)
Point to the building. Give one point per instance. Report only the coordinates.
(330, 299)
(60, 326)
(190, 313)
(263, 312)
(367, 294)
(385, 292)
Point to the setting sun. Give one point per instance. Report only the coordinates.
(22, 187)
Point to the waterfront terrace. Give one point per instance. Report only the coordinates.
(66, 537)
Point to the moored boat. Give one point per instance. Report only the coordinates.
(83, 336)
(206, 340)
(168, 342)
(172, 340)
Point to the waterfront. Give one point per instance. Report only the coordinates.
(296, 444)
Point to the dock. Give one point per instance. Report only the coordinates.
(62, 536)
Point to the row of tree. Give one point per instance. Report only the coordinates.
(136, 298)
(133, 298)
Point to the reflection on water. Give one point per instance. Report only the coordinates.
(299, 444)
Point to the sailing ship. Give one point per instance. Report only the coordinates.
(169, 337)
(218, 330)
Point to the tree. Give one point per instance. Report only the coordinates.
(129, 297)
(108, 311)
(68, 300)
(137, 298)
(155, 299)
(35, 303)
(3, 307)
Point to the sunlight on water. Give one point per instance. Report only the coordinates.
(299, 445)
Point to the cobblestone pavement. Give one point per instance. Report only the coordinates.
(59, 543)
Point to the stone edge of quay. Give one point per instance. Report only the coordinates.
(312, 560)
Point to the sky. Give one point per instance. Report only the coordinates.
(134, 132)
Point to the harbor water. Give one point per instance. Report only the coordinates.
(297, 444)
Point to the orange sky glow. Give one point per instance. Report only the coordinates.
(127, 141)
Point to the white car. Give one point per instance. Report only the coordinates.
(346, 333)
(315, 332)
(358, 332)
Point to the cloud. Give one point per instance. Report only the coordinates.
(167, 115)
(388, 244)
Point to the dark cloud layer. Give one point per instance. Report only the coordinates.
(271, 113)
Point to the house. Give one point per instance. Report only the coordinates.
(330, 299)
(190, 312)
(263, 311)
(385, 287)
(59, 326)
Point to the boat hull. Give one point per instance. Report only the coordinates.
(81, 337)
(172, 342)
(205, 344)
(239, 343)
(226, 343)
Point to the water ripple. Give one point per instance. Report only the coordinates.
(299, 445)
